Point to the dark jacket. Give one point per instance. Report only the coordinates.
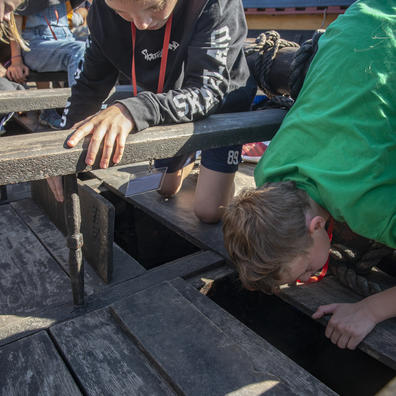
(206, 69)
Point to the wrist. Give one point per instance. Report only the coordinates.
(16, 61)
(379, 306)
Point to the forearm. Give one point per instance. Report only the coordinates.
(16, 50)
(382, 305)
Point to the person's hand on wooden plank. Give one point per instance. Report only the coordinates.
(110, 126)
(350, 323)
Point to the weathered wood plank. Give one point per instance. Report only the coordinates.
(262, 355)
(97, 223)
(380, 343)
(185, 266)
(204, 280)
(37, 156)
(32, 366)
(125, 267)
(104, 358)
(30, 278)
(35, 99)
(176, 213)
(197, 356)
(388, 390)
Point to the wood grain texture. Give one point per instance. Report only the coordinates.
(125, 267)
(176, 213)
(32, 366)
(263, 356)
(104, 358)
(33, 99)
(192, 264)
(380, 343)
(30, 279)
(195, 353)
(37, 156)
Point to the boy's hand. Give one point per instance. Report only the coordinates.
(112, 125)
(349, 323)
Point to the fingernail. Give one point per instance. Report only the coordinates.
(89, 162)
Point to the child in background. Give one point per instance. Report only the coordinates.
(52, 48)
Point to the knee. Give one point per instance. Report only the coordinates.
(207, 214)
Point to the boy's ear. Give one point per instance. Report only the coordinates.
(316, 224)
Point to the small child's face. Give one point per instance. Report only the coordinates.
(145, 14)
(304, 266)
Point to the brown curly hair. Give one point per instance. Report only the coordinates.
(264, 229)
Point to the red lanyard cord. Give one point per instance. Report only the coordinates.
(164, 58)
(49, 25)
(323, 272)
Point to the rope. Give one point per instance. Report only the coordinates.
(267, 44)
(301, 62)
(350, 269)
(372, 257)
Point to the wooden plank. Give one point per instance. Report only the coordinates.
(176, 213)
(47, 76)
(104, 358)
(388, 390)
(30, 278)
(185, 266)
(32, 366)
(97, 226)
(262, 355)
(380, 343)
(37, 156)
(195, 353)
(203, 281)
(97, 223)
(35, 99)
(125, 267)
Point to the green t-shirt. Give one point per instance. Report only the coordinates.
(338, 142)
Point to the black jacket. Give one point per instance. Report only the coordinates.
(206, 70)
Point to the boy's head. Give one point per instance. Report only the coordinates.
(275, 235)
(145, 14)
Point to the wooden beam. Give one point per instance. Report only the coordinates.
(34, 99)
(37, 156)
(39, 99)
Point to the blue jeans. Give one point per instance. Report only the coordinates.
(48, 55)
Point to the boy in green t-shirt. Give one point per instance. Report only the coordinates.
(334, 156)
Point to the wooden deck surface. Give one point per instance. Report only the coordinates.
(177, 214)
(148, 331)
